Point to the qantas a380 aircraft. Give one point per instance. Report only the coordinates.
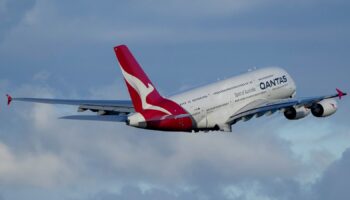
(214, 107)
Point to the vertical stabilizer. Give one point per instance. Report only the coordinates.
(153, 111)
(142, 92)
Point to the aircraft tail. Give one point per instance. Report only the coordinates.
(154, 110)
(142, 92)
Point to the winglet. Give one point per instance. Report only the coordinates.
(340, 93)
(9, 99)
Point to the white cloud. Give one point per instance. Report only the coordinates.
(42, 169)
(43, 116)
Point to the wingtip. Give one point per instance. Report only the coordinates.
(340, 93)
(9, 99)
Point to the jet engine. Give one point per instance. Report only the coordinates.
(293, 113)
(324, 108)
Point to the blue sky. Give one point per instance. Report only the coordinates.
(64, 49)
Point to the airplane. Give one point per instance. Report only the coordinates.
(213, 107)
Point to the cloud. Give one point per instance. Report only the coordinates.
(333, 184)
(335, 180)
(200, 8)
(49, 27)
(38, 169)
(134, 192)
(11, 13)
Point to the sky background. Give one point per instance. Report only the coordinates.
(64, 49)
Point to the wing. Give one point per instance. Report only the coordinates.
(267, 107)
(116, 108)
(106, 118)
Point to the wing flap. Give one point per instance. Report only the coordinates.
(113, 109)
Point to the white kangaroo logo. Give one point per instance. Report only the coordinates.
(143, 91)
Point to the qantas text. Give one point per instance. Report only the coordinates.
(273, 82)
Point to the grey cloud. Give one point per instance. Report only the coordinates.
(334, 184)
(56, 37)
(50, 23)
(11, 13)
(134, 192)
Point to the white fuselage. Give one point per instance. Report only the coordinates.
(212, 105)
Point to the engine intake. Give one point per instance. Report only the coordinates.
(293, 113)
(324, 108)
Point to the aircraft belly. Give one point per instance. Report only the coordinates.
(201, 120)
(218, 117)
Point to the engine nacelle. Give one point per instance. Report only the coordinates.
(324, 108)
(293, 113)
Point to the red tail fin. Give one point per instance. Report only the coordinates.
(146, 99)
(142, 92)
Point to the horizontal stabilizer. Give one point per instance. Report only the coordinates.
(107, 118)
(112, 107)
(115, 103)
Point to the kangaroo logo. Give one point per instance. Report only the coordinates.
(143, 91)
